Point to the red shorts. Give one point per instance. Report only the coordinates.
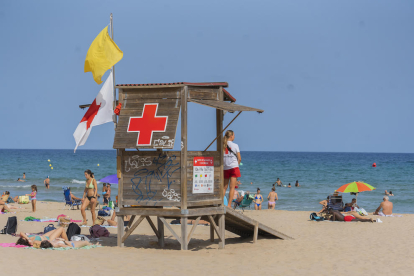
(349, 218)
(235, 172)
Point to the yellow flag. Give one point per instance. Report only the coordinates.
(102, 55)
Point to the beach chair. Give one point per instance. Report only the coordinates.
(246, 202)
(336, 203)
(71, 203)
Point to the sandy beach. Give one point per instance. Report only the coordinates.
(318, 248)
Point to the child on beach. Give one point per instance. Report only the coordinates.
(33, 196)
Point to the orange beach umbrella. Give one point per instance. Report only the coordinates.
(355, 187)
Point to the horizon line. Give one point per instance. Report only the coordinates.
(242, 151)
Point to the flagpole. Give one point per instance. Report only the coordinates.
(113, 72)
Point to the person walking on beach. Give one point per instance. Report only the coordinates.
(232, 161)
(89, 196)
(33, 196)
(272, 197)
(47, 182)
(258, 199)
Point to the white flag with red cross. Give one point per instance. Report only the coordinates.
(100, 112)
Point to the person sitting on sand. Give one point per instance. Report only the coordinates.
(337, 216)
(64, 243)
(3, 206)
(324, 203)
(272, 197)
(350, 206)
(386, 207)
(31, 240)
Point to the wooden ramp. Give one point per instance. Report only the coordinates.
(244, 226)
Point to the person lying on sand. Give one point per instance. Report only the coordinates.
(112, 221)
(63, 243)
(386, 207)
(31, 240)
(337, 216)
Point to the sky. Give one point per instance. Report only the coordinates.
(332, 76)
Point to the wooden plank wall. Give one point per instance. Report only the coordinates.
(203, 93)
(149, 178)
(133, 104)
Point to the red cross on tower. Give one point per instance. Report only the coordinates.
(147, 124)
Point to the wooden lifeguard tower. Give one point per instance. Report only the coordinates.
(155, 181)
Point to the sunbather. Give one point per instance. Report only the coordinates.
(337, 216)
(386, 207)
(64, 243)
(112, 221)
(32, 240)
(324, 203)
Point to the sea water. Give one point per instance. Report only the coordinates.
(319, 174)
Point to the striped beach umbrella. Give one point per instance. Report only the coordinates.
(355, 187)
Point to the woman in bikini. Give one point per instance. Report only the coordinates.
(64, 243)
(232, 161)
(89, 196)
(272, 197)
(35, 240)
(258, 199)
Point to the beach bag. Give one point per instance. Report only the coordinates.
(49, 228)
(362, 212)
(79, 238)
(111, 204)
(11, 226)
(73, 229)
(24, 199)
(97, 231)
(315, 217)
(102, 213)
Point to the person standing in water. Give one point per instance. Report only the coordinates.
(272, 197)
(47, 182)
(24, 175)
(89, 196)
(297, 183)
(279, 183)
(232, 161)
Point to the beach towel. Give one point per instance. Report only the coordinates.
(31, 219)
(67, 248)
(12, 245)
(380, 213)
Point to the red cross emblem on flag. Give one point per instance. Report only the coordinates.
(147, 124)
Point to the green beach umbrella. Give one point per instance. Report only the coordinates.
(355, 187)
